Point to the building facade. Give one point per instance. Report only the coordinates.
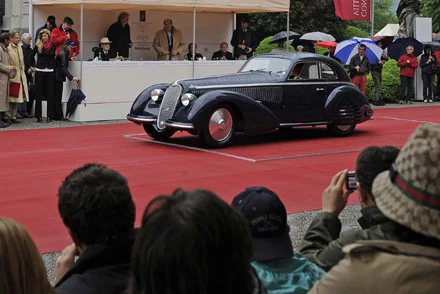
(14, 15)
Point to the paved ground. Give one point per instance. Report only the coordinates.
(298, 222)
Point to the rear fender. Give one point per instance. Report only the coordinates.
(144, 98)
(255, 116)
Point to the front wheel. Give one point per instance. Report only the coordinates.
(151, 131)
(341, 130)
(219, 129)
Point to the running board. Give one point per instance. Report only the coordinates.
(304, 124)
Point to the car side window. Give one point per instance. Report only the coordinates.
(327, 72)
(305, 71)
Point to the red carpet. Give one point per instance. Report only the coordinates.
(297, 164)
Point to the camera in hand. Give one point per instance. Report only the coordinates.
(350, 181)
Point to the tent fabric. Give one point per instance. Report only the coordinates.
(389, 30)
(215, 6)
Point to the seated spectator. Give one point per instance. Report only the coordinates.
(106, 52)
(280, 268)
(407, 195)
(193, 242)
(296, 71)
(22, 268)
(223, 53)
(189, 55)
(96, 206)
(323, 241)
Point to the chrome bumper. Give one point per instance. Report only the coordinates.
(168, 124)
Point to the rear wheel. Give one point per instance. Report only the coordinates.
(219, 128)
(153, 133)
(341, 130)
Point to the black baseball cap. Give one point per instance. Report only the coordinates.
(68, 20)
(267, 218)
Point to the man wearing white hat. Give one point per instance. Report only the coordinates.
(106, 52)
(409, 195)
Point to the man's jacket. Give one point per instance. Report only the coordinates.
(323, 241)
(58, 37)
(383, 267)
(363, 63)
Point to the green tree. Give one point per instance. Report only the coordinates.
(352, 31)
(431, 9)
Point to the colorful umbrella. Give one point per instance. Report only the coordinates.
(326, 44)
(348, 48)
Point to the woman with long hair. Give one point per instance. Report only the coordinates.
(45, 73)
(21, 266)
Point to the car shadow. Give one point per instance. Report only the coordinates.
(279, 136)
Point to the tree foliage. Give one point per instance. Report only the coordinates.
(390, 83)
(352, 31)
(431, 9)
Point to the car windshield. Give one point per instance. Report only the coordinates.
(273, 65)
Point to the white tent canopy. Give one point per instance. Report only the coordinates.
(215, 6)
(390, 30)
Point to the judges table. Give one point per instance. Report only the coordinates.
(112, 86)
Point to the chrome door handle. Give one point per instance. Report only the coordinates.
(319, 89)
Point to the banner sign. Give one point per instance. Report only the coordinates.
(353, 9)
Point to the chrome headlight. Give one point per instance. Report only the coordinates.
(156, 94)
(187, 98)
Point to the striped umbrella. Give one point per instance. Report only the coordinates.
(345, 50)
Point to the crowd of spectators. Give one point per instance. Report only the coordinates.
(194, 242)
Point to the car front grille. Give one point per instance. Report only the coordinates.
(168, 105)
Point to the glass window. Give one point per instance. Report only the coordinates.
(272, 65)
(327, 72)
(305, 71)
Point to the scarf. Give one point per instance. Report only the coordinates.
(47, 45)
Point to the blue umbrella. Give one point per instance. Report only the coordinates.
(345, 50)
(398, 47)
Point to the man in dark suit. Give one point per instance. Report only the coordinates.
(119, 34)
(107, 53)
(223, 53)
(244, 40)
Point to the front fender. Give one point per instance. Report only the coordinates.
(255, 116)
(346, 105)
(143, 98)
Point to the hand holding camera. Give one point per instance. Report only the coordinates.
(334, 198)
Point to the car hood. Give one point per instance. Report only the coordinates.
(231, 79)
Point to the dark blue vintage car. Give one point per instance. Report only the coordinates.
(271, 91)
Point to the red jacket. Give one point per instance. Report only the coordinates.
(437, 56)
(408, 69)
(58, 37)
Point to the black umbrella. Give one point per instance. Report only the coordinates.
(398, 47)
(434, 45)
(76, 97)
(282, 36)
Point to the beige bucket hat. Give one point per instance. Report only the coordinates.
(409, 193)
(105, 40)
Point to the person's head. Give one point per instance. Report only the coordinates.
(408, 193)
(105, 43)
(123, 18)
(26, 38)
(224, 47)
(96, 206)
(191, 47)
(299, 48)
(379, 43)
(14, 36)
(267, 220)
(21, 266)
(43, 37)
(67, 23)
(50, 22)
(372, 161)
(168, 24)
(361, 49)
(409, 49)
(5, 39)
(192, 242)
(244, 22)
(427, 49)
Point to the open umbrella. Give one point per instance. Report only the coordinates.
(282, 36)
(434, 45)
(348, 48)
(398, 47)
(317, 36)
(76, 97)
(326, 44)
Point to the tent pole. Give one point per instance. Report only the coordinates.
(31, 21)
(194, 42)
(81, 44)
(372, 19)
(288, 29)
